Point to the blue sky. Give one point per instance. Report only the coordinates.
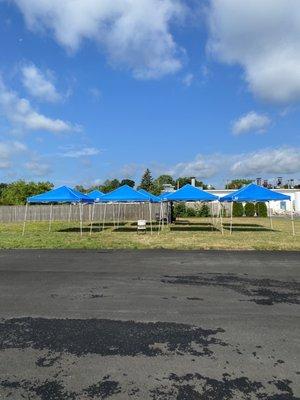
(91, 90)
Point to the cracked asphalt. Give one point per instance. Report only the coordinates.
(152, 324)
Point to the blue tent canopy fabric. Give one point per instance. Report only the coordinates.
(254, 193)
(190, 193)
(154, 199)
(62, 194)
(125, 194)
(164, 196)
(95, 195)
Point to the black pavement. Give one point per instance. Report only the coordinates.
(147, 324)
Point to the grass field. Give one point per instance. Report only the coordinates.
(195, 233)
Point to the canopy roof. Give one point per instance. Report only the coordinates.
(125, 194)
(155, 199)
(191, 193)
(164, 196)
(62, 194)
(95, 195)
(254, 192)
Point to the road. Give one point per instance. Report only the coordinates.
(154, 324)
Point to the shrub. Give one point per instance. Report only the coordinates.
(190, 212)
(237, 210)
(203, 211)
(261, 209)
(249, 209)
(179, 210)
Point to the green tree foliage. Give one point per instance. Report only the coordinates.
(81, 189)
(237, 210)
(110, 185)
(2, 187)
(16, 193)
(147, 181)
(160, 181)
(237, 183)
(128, 182)
(249, 209)
(185, 179)
(261, 209)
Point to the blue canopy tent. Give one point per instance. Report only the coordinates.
(190, 193)
(95, 195)
(255, 193)
(155, 199)
(62, 194)
(124, 194)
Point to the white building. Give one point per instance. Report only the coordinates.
(277, 207)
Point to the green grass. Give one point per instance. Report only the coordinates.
(196, 233)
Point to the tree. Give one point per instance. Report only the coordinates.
(185, 179)
(128, 182)
(16, 193)
(146, 181)
(110, 185)
(237, 183)
(249, 209)
(237, 209)
(158, 183)
(81, 189)
(2, 187)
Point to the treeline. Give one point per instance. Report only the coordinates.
(147, 182)
(16, 193)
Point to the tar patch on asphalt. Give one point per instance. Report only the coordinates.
(259, 291)
(199, 387)
(108, 337)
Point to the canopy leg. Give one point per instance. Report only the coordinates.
(221, 217)
(292, 218)
(231, 212)
(104, 216)
(69, 216)
(80, 216)
(212, 216)
(25, 217)
(118, 215)
(270, 216)
(100, 213)
(150, 216)
(92, 218)
(50, 219)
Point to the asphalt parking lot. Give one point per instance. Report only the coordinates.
(149, 325)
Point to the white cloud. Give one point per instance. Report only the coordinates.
(251, 122)
(21, 114)
(283, 160)
(134, 33)
(188, 79)
(84, 152)
(96, 93)
(38, 84)
(264, 38)
(38, 168)
(9, 149)
(202, 167)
